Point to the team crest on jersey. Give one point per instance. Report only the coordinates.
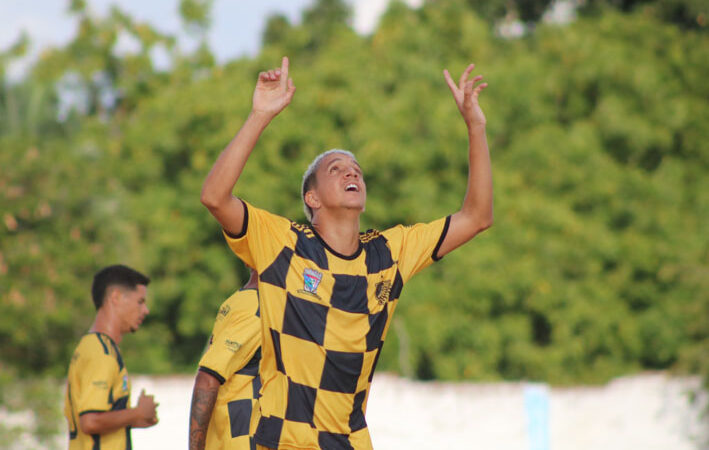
(312, 280)
(125, 383)
(382, 291)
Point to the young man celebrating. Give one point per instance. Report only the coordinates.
(328, 291)
(225, 395)
(97, 398)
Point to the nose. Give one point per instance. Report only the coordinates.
(351, 172)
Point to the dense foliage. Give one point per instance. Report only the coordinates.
(596, 265)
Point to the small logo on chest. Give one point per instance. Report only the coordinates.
(311, 280)
(382, 291)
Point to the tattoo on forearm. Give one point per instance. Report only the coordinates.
(203, 400)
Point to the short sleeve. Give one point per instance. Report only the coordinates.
(98, 373)
(236, 336)
(415, 246)
(262, 237)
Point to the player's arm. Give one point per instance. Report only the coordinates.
(476, 213)
(204, 395)
(142, 416)
(273, 92)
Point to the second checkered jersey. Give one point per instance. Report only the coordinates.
(232, 357)
(324, 317)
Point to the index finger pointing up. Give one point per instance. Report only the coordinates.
(449, 81)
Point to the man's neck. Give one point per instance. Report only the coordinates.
(104, 324)
(340, 233)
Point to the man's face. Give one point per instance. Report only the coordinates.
(132, 307)
(340, 183)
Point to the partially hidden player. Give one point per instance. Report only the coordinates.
(97, 401)
(328, 291)
(224, 408)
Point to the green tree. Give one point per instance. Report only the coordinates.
(593, 269)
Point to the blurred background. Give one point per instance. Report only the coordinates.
(111, 114)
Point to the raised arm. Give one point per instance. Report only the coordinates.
(476, 213)
(273, 92)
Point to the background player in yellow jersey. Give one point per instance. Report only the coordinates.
(97, 401)
(327, 291)
(225, 396)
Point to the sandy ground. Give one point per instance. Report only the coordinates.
(649, 412)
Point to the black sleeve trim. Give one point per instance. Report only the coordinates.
(244, 226)
(209, 371)
(93, 411)
(440, 240)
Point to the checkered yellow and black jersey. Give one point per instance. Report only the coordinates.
(233, 358)
(97, 382)
(324, 317)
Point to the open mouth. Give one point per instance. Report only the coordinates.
(352, 188)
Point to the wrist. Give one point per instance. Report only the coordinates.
(261, 116)
(475, 127)
(134, 416)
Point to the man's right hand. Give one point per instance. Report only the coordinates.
(274, 91)
(146, 411)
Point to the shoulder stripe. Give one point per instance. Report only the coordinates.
(119, 358)
(103, 344)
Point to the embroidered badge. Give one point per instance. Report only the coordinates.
(382, 291)
(125, 383)
(312, 280)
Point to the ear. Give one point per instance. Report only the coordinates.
(113, 296)
(312, 200)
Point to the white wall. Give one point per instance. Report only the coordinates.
(648, 412)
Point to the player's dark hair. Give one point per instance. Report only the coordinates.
(116, 275)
